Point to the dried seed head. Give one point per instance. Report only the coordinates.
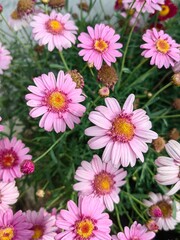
(176, 103)
(77, 78)
(83, 6)
(25, 7)
(174, 134)
(107, 76)
(56, 3)
(159, 144)
(176, 79)
(104, 92)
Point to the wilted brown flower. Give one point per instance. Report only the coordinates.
(15, 15)
(174, 134)
(84, 6)
(107, 76)
(77, 78)
(56, 3)
(159, 144)
(25, 7)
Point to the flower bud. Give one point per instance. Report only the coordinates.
(104, 92)
(152, 226)
(176, 79)
(27, 167)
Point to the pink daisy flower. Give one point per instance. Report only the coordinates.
(150, 6)
(14, 226)
(101, 180)
(123, 132)
(12, 154)
(57, 100)
(1, 126)
(8, 194)
(161, 48)
(5, 58)
(169, 168)
(161, 210)
(99, 44)
(85, 221)
(55, 29)
(135, 232)
(43, 224)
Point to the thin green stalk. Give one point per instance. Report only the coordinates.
(166, 116)
(118, 219)
(134, 198)
(63, 60)
(50, 148)
(157, 93)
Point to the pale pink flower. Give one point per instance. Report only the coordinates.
(169, 168)
(57, 100)
(55, 29)
(101, 180)
(99, 44)
(14, 226)
(123, 132)
(149, 6)
(161, 210)
(8, 194)
(18, 22)
(85, 221)
(5, 58)
(43, 224)
(161, 48)
(12, 154)
(135, 232)
(1, 126)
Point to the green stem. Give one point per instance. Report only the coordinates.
(157, 93)
(134, 198)
(118, 219)
(166, 116)
(63, 60)
(49, 149)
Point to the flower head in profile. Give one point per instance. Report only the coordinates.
(100, 180)
(54, 30)
(169, 10)
(43, 224)
(17, 22)
(1, 126)
(135, 232)
(99, 44)
(161, 210)
(12, 154)
(5, 59)
(169, 167)
(161, 48)
(57, 100)
(149, 6)
(122, 131)
(8, 194)
(14, 226)
(85, 221)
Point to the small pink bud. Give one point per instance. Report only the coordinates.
(104, 92)
(155, 211)
(27, 167)
(152, 226)
(1, 8)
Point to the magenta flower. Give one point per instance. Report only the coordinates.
(14, 226)
(55, 29)
(12, 154)
(169, 168)
(161, 48)
(123, 132)
(43, 224)
(135, 232)
(161, 210)
(85, 221)
(1, 126)
(8, 194)
(57, 100)
(5, 58)
(149, 6)
(101, 180)
(99, 44)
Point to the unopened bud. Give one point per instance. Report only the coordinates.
(40, 193)
(104, 92)
(1, 8)
(176, 79)
(27, 167)
(152, 226)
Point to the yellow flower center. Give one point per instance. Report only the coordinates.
(6, 233)
(165, 10)
(103, 183)
(100, 45)
(57, 100)
(38, 232)
(162, 46)
(54, 26)
(85, 228)
(123, 129)
(166, 209)
(8, 160)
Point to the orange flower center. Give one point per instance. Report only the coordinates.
(85, 228)
(100, 45)
(103, 183)
(54, 27)
(6, 233)
(165, 10)
(123, 129)
(8, 160)
(162, 46)
(57, 100)
(38, 232)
